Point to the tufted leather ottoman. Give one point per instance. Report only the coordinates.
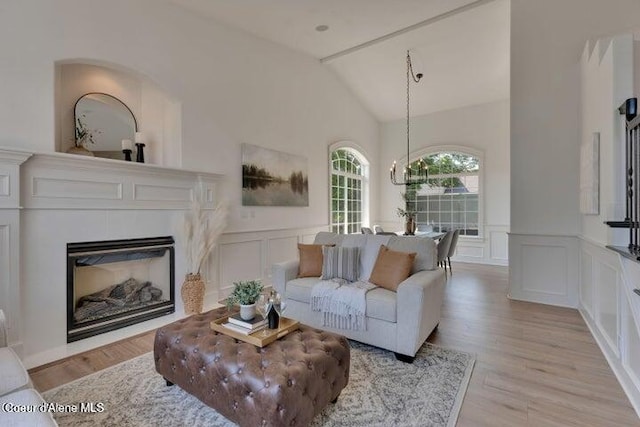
(285, 383)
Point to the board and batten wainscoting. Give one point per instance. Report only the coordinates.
(49, 200)
(491, 248)
(544, 269)
(612, 311)
(574, 271)
(250, 255)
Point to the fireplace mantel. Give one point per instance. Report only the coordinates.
(61, 180)
(10, 161)
(50, 199)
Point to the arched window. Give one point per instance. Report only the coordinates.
(451, 199)
(348, 191)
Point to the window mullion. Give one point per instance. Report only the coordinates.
(344, 200)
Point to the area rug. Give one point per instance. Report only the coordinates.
(382, 391)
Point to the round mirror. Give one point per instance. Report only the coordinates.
(102, 122)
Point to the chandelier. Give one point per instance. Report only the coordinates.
(409, 176)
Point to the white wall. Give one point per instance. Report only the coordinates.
(547, 40)
(484, 128)
(233, 88)
(607, 81)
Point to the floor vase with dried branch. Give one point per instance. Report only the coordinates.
(201, 229)
(192, 293)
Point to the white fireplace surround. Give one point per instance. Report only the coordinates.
(49, 200)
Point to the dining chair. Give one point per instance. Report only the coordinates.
(443, 249)
(366, 230)
(452, 248)
(378, 229)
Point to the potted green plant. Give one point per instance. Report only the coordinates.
(409, 196)
(409, 221)
(84, 137)
(245, 294)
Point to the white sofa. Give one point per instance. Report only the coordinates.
(16, 389)
(398, 321)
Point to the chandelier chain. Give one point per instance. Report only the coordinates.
(422, 173)
(415, 79)
(409, 69)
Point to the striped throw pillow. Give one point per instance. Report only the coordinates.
(339, 262)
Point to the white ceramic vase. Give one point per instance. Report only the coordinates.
(248, 312)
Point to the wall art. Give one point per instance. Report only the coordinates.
(273, 178)
(590, 176)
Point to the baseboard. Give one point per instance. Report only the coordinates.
(71, 349)
(538, 300)
(499, 263)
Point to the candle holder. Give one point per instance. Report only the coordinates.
(127, 155)
(140, 152)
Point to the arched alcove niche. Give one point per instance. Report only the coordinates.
(158, 115)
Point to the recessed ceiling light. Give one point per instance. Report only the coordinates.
(322, 28)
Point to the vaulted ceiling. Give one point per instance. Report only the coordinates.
(461, 46)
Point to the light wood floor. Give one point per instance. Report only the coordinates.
(537, 365)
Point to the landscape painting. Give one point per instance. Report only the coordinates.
(273, 178)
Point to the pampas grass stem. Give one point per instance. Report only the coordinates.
(201, 229)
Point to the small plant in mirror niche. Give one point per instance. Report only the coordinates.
(84, 135)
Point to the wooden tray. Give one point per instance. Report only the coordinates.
(286, 325)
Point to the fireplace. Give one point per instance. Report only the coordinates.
(117, 283)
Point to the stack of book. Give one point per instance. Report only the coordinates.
(246, 327)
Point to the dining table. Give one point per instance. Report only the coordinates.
(435, 235)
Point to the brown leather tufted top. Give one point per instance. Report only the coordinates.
(286, 383)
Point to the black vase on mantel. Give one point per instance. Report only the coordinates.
(272, 316)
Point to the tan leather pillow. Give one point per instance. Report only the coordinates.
(310, 260)
(391, 268)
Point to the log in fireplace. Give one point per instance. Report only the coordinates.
(117, 283)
